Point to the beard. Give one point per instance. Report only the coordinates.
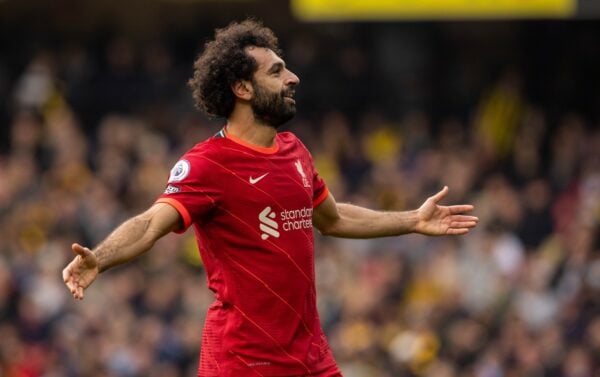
(271, 108)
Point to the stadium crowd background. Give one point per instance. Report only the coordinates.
(506, 114)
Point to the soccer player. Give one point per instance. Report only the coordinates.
(253, 196)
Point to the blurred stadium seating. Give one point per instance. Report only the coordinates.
(94, 111)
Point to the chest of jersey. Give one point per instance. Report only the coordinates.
(266, 198)
(272, 193)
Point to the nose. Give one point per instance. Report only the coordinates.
(292, 79)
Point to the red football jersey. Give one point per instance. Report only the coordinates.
(251, 209)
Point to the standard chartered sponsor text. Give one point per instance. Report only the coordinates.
(296, 219)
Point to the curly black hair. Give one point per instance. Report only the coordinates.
(224, 61)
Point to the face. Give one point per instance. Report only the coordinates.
(274, 86)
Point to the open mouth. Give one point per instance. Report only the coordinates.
(289, 96)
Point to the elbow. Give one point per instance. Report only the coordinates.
(148, 237)
(147, 242)
(327, 230)
(328, 226)
(324, 232)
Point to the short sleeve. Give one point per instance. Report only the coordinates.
(189, 189)
(320, 191)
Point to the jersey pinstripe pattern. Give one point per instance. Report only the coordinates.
(251, 210)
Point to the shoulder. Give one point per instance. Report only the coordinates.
(206, 149)
(287, 137)
(290, 139)
(198, 160)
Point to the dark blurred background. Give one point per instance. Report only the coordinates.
(503, 107)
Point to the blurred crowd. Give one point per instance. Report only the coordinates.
(89, 142)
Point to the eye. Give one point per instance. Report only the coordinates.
(276, 70)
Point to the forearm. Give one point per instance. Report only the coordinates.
(359, 222)
(347, 220)
(129, 240)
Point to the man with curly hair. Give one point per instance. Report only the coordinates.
(253, 196)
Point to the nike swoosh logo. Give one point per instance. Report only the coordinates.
(254, 180)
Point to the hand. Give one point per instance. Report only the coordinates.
(81, 272)
(437, 220)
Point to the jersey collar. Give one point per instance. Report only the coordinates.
(265, 150)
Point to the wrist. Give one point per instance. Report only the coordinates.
(99, 260)
(409, 221)
(415, 221)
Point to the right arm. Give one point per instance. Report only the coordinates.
(131, 239)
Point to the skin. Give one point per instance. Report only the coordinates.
(138, 234)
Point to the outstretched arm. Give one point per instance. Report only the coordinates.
(349, 221)
(131, 239)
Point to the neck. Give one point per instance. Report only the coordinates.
(244, 126)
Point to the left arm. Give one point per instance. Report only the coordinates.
(350, 221)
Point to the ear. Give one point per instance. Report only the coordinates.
(243, 89)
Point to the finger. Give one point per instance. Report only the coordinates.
(464, 218)
(73, 291)
(440, 195)
(457, 231)
(80, 250)
(68, 279)
(66, 274)
(463, 224)
(71, 286)
(460, 208)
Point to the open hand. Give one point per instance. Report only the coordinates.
(438, 220)
(81, 272)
